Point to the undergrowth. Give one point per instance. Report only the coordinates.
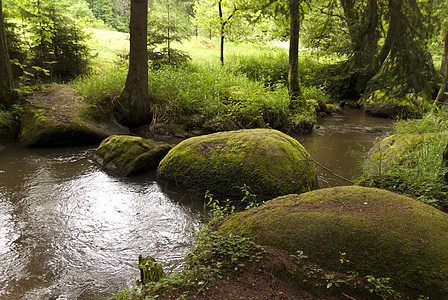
(197, 94)
(418, 172)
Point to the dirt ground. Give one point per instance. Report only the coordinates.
(271, 278)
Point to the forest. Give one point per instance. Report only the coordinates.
(82, 72)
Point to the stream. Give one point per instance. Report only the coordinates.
(70, 230)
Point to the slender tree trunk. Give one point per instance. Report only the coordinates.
(441, 95)
(168, 34)
(221, 32)
(6, 81)
(133, 106)
(295, 94)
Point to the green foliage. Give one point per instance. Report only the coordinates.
(220, 209)
(270, 66)
(418, 171)
(102, 85)
(112, 13)
(314, 276)
(267, 67)
(196, 90)
(167, 23)
(29, 81)
(150, 270)
(53, 39)
(244, 21)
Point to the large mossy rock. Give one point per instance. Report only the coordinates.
(382, 233)
(379, 104)
(60, 117)
(127, 155)
(400, 149)
(271, 163)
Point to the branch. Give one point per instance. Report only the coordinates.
(325, 168)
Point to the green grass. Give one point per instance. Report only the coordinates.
(418, 171)
(207, 51)
(107, 46)
(204, 87)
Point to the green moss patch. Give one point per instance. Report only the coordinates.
(380, 104)
(60, 117)
(392, 149)
(126, 155)
(271, 163)
(382, 233)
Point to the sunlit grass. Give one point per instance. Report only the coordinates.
(107, 46)
(207, 51)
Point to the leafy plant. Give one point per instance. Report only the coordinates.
(150, 269)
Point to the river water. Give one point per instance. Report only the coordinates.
(70, 230)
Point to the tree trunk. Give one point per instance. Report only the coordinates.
(6, 82)
(223, 28)
(221, 33)
(133, 108)
(441, 95)
(295, 94)
(372, 69)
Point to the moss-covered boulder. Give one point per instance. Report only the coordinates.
(127, 155)
(396, 149)
(382, 233)
(271, 163)
(60, 117)
(379, 104)
(9, 126)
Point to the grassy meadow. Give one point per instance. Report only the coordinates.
(249, 91)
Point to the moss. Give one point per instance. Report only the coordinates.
(268, 161)
(60, 117)
(40, 129)
(395, 149)
(379, 103)
(94, 113)
(127, 155)
(377, 229)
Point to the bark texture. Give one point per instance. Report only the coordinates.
(295, 94)
(441, 95)
(133, 107)
(6, 81)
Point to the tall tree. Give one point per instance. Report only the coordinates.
(441, 95)
(388, 49)
(6, 81)
(295, 94)
(223, 23)
(133, 107)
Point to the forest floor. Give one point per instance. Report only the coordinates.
(270, 278)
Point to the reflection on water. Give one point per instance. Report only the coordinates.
(69, 230)
(339, 143)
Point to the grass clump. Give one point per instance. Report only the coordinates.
(193, 94)
(416, 168)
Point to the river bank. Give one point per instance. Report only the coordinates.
(98, 223)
